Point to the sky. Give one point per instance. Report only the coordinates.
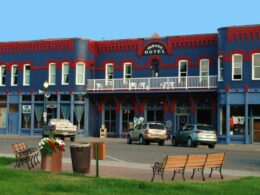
(23, 20)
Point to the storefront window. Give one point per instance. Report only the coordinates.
(110, 116)
(127, 115)
(237, 120)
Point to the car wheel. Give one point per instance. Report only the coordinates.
(189, 142)
(161, 143)
(174, 143)
(147, 142)
(129, 141)
(141, 140)
(211, 146)
(72, 138)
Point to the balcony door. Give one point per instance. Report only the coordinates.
(155, 68)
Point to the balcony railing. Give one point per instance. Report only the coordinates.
(152, 83)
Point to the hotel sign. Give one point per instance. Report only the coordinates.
(155, 49)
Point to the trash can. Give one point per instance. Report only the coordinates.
(101, 150)
(80, 157)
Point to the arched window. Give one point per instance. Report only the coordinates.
(110, 116)
(155, 111)
(127, 111)
(155, 68)
(183, 107)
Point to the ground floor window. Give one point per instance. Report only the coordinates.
(222, 127)
(237, 120)
(127, 110)
(155, 111)
(110, 116)
(3, 112)
(79, 115)
(204, 112)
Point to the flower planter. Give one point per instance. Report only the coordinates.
(52, 162)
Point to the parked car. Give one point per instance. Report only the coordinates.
(147, 132)
(195, 134)
(60, 128)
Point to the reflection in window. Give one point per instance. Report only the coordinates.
(237, 67)
(256, 66)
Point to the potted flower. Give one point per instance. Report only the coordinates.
(51, 154)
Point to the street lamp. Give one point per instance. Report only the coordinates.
(46, 95)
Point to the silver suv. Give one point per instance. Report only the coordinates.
(194, 134)
(148, 132)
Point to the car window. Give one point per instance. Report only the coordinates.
(205, 127)
(156, 126)
(144, 126)
(189, 128)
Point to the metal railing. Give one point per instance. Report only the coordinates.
(152, 83)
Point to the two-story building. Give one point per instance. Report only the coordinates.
(204, 78)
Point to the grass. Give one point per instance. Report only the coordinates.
(18, 181)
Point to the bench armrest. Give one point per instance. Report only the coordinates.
(157, 165)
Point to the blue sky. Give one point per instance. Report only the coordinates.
(119, 19)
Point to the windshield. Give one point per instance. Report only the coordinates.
(205, 127)
(156, 126)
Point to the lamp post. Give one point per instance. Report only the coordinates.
(45, 87)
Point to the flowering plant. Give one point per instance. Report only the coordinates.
(49, 145)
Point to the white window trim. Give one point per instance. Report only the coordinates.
(83, 74)
(233, 56)
(62, 73)
(12, 75)
(24, 76)
(179, 70)
(1, 84)
(125, 65)
(253, 71)
(50, 83)
(219, 71)
(201, 67)
(109, 64)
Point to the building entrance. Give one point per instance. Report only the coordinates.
(256, 129)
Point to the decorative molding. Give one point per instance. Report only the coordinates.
(243, 33)
(37, 46)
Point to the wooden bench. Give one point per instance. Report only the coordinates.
(171, 163)
(196, 163)
(24, 154)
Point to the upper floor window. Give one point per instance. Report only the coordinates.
(52, 73)
(2, 75)
(65, 73)
(109, 71)
(80, 73)
(183, 68)
(26, 74)
(14, 75)
(220, 68)
(237, 67)
(204, 69)
(127, 70)
(256, 66)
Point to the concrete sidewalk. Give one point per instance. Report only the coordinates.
(138, 171)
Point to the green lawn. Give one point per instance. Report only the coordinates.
(18, 181)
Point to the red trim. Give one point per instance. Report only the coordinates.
(37, 46)
(183, 58)
(103, 67)
(203, 58)
(231, 53)
(243, 33)
(142, 106)
(193, 107)
(136, 107)
(224, 56)
(251, 52)
(246, 88)
(118, 105)
(188, 41)
(165, 106)
(227, 88)
(172, 105)
(19, 91)
(71, 90)
(31, 91)
(100, 105)
(57, 90)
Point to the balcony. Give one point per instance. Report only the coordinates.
(152, 84)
